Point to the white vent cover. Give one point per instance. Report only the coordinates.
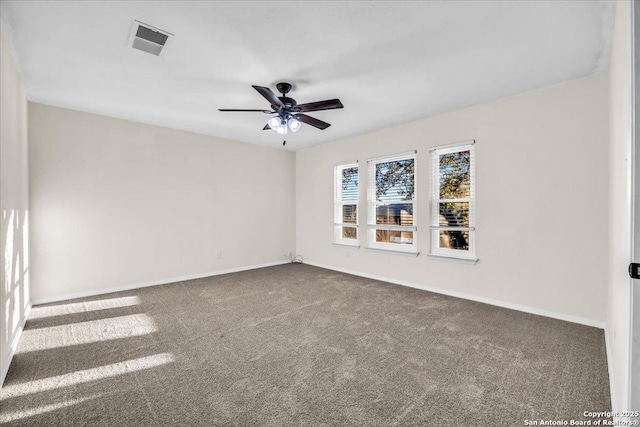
(148, 38)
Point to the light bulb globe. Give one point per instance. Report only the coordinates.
(275, 123)
(294, 124)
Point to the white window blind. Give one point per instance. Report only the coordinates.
(453, 201)
(345, 222)
(392, 203)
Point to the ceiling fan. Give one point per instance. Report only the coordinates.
(289, 114)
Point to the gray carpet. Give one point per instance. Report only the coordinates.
(296, 345)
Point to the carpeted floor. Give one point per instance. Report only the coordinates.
(296, 345)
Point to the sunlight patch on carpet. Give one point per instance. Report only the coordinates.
(86, 375)
(87, 332)
(8, 417)
(39, 312)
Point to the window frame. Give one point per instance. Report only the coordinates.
(372, 205)
(338, 203)
(434, 203)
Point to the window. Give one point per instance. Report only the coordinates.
(346, 204)
(453, 201)
(392, 203)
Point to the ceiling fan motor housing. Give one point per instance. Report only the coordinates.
(284, 88)
(288, 102)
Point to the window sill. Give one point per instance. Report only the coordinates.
(395, 252)
(472, 261)
(348, 245)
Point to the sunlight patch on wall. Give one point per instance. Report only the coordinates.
(15, 294)
(40, 312)
(8, 249)
(86, 332)
(86, 375)
(7, 224)
(16, 266)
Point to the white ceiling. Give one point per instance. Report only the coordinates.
(388, 62)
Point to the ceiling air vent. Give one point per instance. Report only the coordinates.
(148, 38)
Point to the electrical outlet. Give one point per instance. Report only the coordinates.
(219, 255)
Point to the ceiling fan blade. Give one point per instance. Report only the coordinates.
(257, 111)
(330, 104)
(269, 95)
(266, 127)
(312, 121)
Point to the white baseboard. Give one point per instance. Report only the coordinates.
(612, 388)
(14, 344)
(103, 291)
(504, 304)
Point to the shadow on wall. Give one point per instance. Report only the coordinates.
(15, 286)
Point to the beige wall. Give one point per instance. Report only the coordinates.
(14, 204)
(118, 203)
(542, 194)
(618, 318)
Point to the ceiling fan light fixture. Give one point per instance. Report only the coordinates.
(282, 130)
(275, 123)
(294, 124)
